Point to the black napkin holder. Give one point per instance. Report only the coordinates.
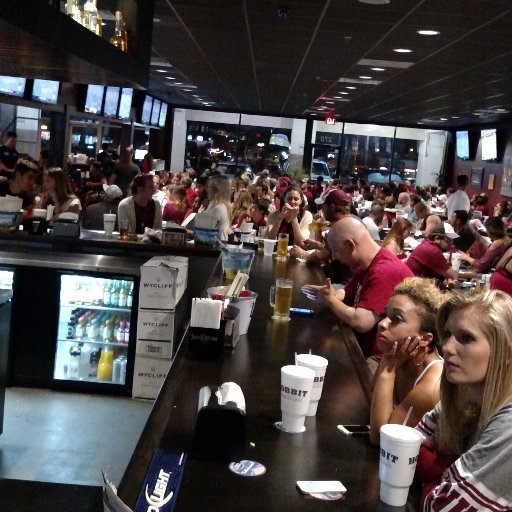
(206, 343)
(66, 228)
(220, 429)
(35, 226)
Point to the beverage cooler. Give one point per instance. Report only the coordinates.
(94, 330)
(6, 279)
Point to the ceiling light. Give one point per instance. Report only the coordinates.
(428, 32)
(187, 90)
(351, 87)
(378, 69)
(161, 70)
(345, 92)
(170, 78)
(375, 2)
(443, 119)
(365, 77)
(329, 102)
(384, 63)
(402, 50)
(455, 117)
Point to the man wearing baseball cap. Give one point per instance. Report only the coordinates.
(93, 216)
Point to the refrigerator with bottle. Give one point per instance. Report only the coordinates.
(94, 330)
(6, 281)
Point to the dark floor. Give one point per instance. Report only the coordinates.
(56, 438)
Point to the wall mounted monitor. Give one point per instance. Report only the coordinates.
(111, 101)
(13, 86)
(163, 115)
(145, 118)
(45, 91)
(125, 103)
(155, 113)
(489, 144)
(462, 145)
(140, 154)
(94, 99)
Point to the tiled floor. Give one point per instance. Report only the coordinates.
(67, 438)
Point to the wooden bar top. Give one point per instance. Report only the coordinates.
(320, 453)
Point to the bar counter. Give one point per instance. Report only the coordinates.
(320, 453)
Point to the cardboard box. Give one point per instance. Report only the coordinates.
(155, 349)
(155, 324)
(148, 376)
(163, 281)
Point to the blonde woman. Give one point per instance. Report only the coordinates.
(219, 206)
(466, 457)
(241, 209)
(58, 193)
(410, 368)
(395, 239)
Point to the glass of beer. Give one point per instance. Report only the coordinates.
(123, 229)
(281, 298)
(282, 245)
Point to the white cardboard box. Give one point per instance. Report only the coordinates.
(156, 349)
(163, 281)
(148, 376)
(155, 324)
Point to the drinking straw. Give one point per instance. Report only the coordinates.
(407, 416)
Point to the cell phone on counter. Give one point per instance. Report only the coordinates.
(301, 311)
(354, 430)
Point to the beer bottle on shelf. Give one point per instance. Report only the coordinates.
(119, 39)
(122, 295)
(99, 21)
(126, 332)
(114, 295)
(106, 293)
(129, 297)
(120, 332)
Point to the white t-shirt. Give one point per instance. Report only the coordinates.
(459, 200)
(372, 228)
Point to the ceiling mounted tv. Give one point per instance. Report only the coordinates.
(163, 115)
(462, 145)
(13, 86)
(45, 91)
(155, 113)
(125, 103)
(94, 99)
(145, 118)
(489, 144)
(111, 101)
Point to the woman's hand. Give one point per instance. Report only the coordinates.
(397, 356)
(290, 212)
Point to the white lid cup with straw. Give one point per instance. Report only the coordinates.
(319, 365)
(399, 448)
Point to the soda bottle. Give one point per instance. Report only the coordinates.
(93, 363)
(85, 361)
(74, 362)
(106, 294)
(129, 297)
(120, 332)
(126, 332)
(105, 364)
(114, 295)
(123, 295)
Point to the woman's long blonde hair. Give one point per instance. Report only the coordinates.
(397, 231)
(461, 423)
(62, 189)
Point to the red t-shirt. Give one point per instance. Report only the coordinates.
(427, 260)
(500, 280)
(170, 212)
(371, 289)
(191, 196)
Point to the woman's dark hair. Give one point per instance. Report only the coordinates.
(139, 182)
(263, 205)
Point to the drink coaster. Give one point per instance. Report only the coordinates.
(279, 426)
(247, 468)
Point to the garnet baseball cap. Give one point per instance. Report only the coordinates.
(444, 229)
(334, 196)
(113, 191)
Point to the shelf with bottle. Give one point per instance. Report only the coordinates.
(96, 307)
(94, 293)
(94, 342)
(86, 13)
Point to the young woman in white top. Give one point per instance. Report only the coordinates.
(410, 368)
(219, 206)
(58, 193)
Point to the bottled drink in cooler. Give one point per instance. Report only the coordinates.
(129, 298)
(85, 361)
(74, 362)
(106, 294)
(122, 296)
(105, 364)
(94, 360)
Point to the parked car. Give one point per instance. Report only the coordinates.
(233, 168)
(319, 168)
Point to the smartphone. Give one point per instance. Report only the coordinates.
(354, 430)
(301, 311)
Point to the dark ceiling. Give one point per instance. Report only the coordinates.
(241, 55)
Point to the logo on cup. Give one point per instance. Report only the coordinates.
(393, 458)
(294, 392)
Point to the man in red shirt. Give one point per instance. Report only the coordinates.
(377, 272)
(427, 260)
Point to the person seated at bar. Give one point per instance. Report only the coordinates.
(201, 199)
(219, 206)
(500, 241)
(426, 219)
(376, 273)
(460, 223)
(410, 367)
(466, 456)
(58, 193)
(404, 202)
(159, 195)
(259, 213)
(395, 239)
(374, 220)
(501, 278)
(427, 260)
(241, 209)
(140, 209)
(23, 184)
(177, 209)
(292, 217)
(93, 215)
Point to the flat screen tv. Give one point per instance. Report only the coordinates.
(140, 154)
(125, 103)
(462, 145)
(489, 144)
(163, 115)
(111, 101)
(45, 91)
(94, 99)
(145, 118)
(155, 113)
(13, 86)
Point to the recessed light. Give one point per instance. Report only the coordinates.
(161, 70)
(170, 78)
(187, 90)
(365, 77)
(428, 32)
(443, 119)
(329, 102)
(375, 2)
(402, 50)
(345, 92)
(377, 69)
(351, 87)
(455, 117)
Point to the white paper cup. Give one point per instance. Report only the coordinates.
(399, 448)
(268, 247)
(246, 306)
(455, 261)
(39, 213)
(296, 386)
(246, 227)
(319, 365)
(248, 236)
(109, 223)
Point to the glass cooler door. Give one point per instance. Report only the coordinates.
(94, 329)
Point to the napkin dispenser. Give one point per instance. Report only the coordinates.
(67, 228)
(220, 423)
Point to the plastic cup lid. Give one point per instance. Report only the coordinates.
(247, 468)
